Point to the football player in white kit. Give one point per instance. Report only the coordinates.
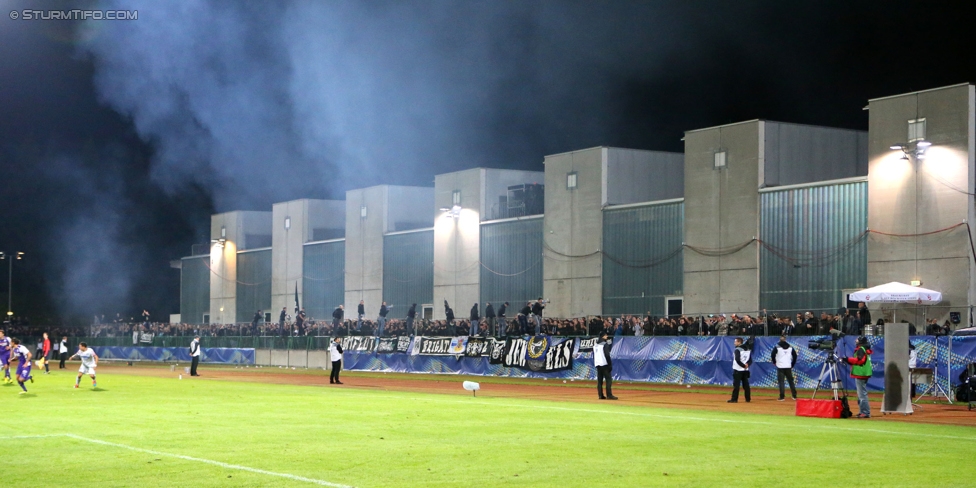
(89, 361)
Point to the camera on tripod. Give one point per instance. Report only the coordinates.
(822, 344)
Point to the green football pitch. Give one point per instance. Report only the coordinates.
(137, 430)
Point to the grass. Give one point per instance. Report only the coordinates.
(359, 437)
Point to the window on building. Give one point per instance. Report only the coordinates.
(287, 223)
(916, 130)
(571, 180)
(456, 197)
(362, 212)
(720, 160)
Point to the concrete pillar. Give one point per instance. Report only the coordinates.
(457, 240)
(293, 224)
(919, 195)
(573, 233)
(228, 234)
(364, 248)
(722, 218)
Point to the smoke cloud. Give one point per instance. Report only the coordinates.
(270, 102)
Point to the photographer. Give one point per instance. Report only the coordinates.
(740, 370)
(784, 357)
(861, 372)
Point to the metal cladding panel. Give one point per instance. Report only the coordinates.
(194, 289)
(797, 154)
(408, 271)
(511, 264)
(253, 283)
(642, 260)
(814, 246)
(323, 279)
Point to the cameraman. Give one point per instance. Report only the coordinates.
(861, 372)
(740, 370)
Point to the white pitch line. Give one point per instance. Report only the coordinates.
(12, 437)
(209, 461)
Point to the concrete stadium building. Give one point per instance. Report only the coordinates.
(754, 215)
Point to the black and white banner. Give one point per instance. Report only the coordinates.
(540, 353)
(387, 345)
(586, 344)
(358, 344)
(440, 346)
(476, 347)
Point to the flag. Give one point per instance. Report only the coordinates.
(297, 307)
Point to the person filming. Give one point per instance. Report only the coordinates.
(861, 372)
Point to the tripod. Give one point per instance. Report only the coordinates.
(831, 372)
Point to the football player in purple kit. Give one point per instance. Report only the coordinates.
(5, 356)
(23, 356)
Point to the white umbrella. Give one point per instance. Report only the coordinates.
(896, 292)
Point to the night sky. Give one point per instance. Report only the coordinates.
(118, 139)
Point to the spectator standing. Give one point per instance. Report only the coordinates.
(784, 357)
(360, 314)
(195, 355)
(411, 315)
(449, 315)
(281, 319)
(537, 308)
(475, 319)
(337, 318)
(381, 320)
(523, 317)
(741, 360)
(863, 313)
(502, 320)
(490, 317)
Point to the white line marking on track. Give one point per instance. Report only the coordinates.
(12, 437)
(191, 458)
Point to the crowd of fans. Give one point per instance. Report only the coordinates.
(849, 322)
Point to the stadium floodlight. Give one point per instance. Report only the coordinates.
(923, 144)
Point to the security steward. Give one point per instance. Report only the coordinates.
(740, 371)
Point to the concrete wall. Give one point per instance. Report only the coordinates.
(634, 176)
(287, 244)
(923, 195)
(223, 259)
(364, 248)
(496, 184)
(457, 241)
(722, 213)
(292, 358)
(411, 207)
(573, 233)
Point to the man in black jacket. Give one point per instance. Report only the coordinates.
(490, 316)
(475, 319)
(300, 322)
(411, 315)
(604, 366)
(537, 312)
(784, 357)
(337, 319)
(523, 317)
(258, 316)
(360, 314)
(449, 315)
(281, 318)
(381, 320)
(863, 313)
(502, 320)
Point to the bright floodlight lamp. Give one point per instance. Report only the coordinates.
(923, 144)
(898, 147)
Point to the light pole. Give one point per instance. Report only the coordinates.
(10, 279)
